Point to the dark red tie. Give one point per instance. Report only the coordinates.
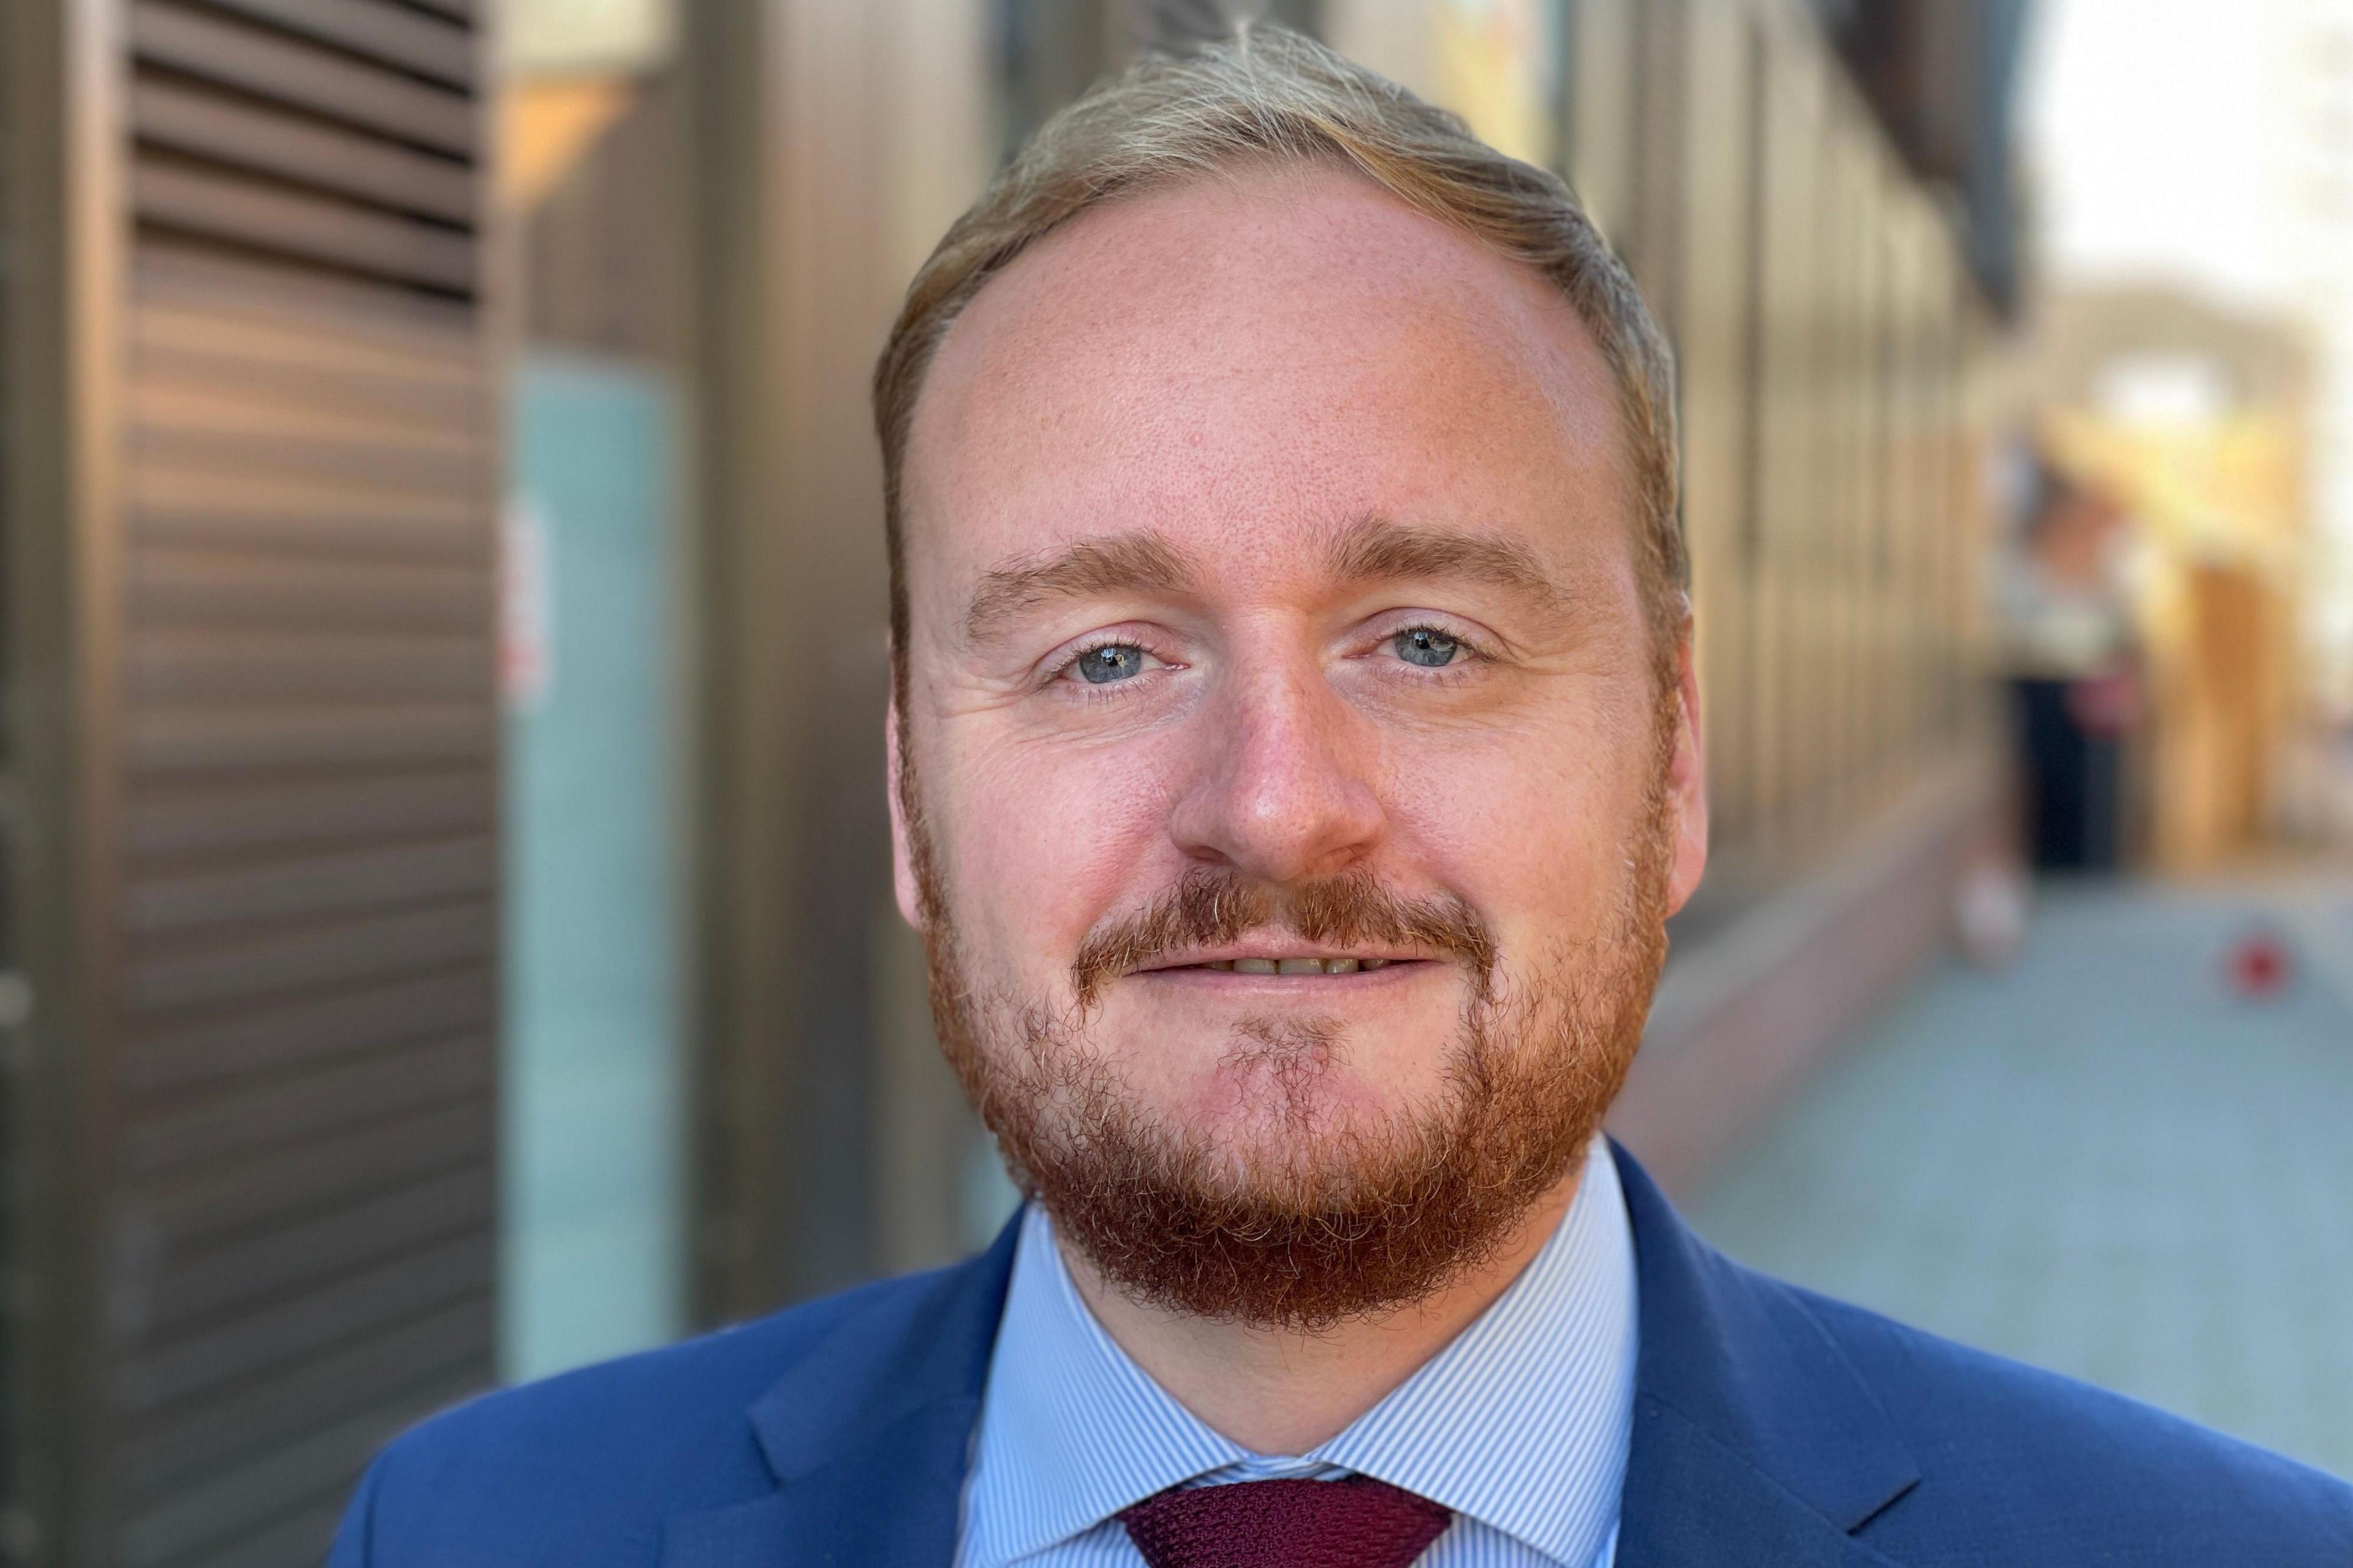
(1358, 1522)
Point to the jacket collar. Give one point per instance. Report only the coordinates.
(1755, 1439)
(868, 1434)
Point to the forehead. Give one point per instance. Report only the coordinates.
(1236, 361)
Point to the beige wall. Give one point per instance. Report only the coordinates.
(860, 131)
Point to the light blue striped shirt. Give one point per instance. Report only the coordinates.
(1520, 1425)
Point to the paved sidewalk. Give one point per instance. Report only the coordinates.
(2101, 1161)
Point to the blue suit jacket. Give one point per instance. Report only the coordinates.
(1771, 1427)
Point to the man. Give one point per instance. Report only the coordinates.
(1295, 758)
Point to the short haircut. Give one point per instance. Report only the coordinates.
(1270, 94)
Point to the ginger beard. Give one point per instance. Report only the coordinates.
(1339, 1218)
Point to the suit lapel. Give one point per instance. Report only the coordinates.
(889, 1501)
(1755, 1439)
(1690, 1500)
(869, 1434)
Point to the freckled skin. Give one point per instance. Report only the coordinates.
(1247, 369)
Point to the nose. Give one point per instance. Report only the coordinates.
(1283, 791)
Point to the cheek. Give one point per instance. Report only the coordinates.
(1040, 842)
(1532, 823)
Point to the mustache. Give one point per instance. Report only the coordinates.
(1211, 905)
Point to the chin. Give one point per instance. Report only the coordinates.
(1263, 1160)
(1289, 1104)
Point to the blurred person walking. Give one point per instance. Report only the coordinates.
(2074, 683)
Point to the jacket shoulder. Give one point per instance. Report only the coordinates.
(2010, 1456)
(582, 1468)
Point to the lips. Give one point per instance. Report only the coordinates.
(1217, 924)
(1292, 965)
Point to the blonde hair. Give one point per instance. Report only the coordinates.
(1268, 93)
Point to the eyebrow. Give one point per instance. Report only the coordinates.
(1123, 563)
(1378, 548)
(1370, 550)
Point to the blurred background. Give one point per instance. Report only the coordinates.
(447, 935)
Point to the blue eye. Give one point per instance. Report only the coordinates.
(1426, 648)
(1113, 661)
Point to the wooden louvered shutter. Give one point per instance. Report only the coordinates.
(254, 863)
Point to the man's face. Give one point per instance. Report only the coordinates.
(1295, 797)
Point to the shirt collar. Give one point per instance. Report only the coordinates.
(1521, 1423)
(1071, 1430)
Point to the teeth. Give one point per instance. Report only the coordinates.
(1294, 965)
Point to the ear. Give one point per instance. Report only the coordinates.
(1687, 783)
(902, 859)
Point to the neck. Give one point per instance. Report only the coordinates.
(1275, 1390)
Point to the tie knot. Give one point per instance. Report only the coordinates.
(1357, 1522)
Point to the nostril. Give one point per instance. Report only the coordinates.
(1284, 793)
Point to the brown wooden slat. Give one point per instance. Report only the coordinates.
(253, 592)
(243, 436)
(291, 1149)
(301, 1478)
(254, 1121)
(255, 1124)
(219, 206)
(345, 390)
(212, 822)
(216, 323)
(301, 1540)
(228, 743)
(301, 317)
(216, 512)
(197, 666)
(346, 881)
(203, 304)
(314, 1179)
(278, 1262)
(345, 1023)
(364, 468)
(305, 77)
(240, 436)
(302, 1325)
(224, 511)
(237, 132)
(366, 1372)
(392, 35)
(350, 952)
(388, 400)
